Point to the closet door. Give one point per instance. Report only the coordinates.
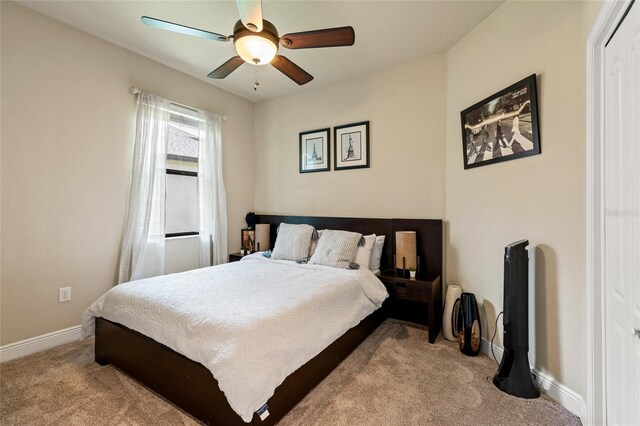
(622, 221)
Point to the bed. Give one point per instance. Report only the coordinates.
(155, 359)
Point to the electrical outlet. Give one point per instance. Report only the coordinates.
(64, 294)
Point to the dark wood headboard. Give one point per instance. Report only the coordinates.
(429, 235)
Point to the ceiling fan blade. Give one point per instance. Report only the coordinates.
(227, 68)
(291, 70)
(250, 14)
(330, 37)
(182, 29)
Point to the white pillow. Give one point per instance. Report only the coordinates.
(376, 253)
(336, 248)
(363, 253)
(292, 242)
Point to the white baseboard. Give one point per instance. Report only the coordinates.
(555, 390)
(39, 343)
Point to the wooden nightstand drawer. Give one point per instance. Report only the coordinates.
(415, 291)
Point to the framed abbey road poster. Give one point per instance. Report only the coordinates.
(503, 126)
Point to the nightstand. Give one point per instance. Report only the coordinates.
(234, 257)
(416, 300)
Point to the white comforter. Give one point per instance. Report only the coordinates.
(251, 323)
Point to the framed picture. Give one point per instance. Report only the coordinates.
(314, 151)
(248, 239)
(502, 127)
(351, 146)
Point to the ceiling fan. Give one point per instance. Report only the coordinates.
(256, 41)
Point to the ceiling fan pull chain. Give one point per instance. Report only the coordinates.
(257, 83)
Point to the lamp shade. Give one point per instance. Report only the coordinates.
(406, 248)
(256, 49)
(262, 236)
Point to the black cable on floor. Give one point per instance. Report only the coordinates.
(495, 330)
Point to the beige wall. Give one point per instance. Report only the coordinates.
(406, 108)
(541, 198)
(67, 134)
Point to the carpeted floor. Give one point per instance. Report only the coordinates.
(394, 378)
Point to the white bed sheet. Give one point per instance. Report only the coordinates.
(251, 323)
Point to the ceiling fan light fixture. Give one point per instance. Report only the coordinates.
(256, 49)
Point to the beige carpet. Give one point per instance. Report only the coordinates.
(394, 378)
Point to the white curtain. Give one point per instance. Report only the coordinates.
(142, 253)
(212, 197)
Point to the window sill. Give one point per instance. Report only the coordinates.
(180, 237)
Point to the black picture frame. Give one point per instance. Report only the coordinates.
(247, 239)
(312, 161)
(503, 126)
(351, 146)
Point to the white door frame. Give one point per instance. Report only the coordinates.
(610, 15)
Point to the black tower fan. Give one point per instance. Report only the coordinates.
(514, 376)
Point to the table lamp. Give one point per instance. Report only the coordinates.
(406, 250)
(262, 236)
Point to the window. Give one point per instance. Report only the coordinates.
(182, 173)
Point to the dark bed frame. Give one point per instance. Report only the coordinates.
(192, 387)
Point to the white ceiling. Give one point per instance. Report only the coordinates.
(387, 32)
